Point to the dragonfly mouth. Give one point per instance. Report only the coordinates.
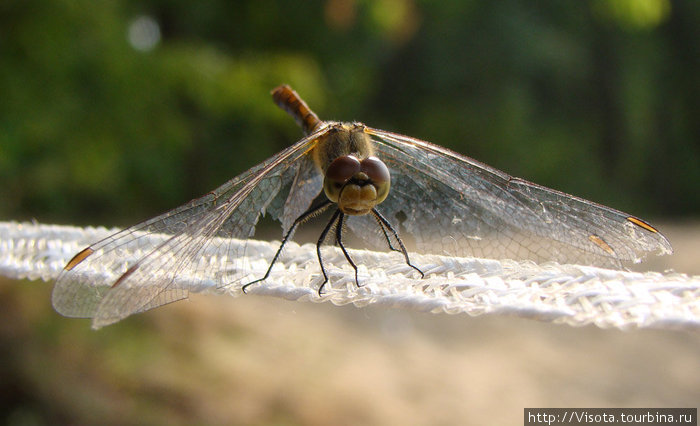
(357, 197)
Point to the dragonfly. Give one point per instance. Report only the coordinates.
(381, 186)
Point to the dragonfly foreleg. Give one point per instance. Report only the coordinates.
(386, 235)
(339, 240)
(385, 225)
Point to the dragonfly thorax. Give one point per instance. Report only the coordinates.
(339, 139)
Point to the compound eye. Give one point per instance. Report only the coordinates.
(338, 173)
(379, 175)
(376, 170)
(343, 168)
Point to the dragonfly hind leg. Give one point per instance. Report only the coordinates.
(301, 219)
(320, 241)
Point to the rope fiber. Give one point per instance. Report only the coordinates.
(570, 294)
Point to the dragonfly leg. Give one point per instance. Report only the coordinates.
(339, 240)
(321, 239)
(301, 219)
(385, 223)
(386, 235)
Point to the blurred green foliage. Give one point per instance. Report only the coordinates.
(111, 112)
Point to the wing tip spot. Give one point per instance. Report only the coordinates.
(78, 258)
(642, 224)
(125, 275)
(602, 244)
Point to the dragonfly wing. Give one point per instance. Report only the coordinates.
(450, 204)
(304, 187)
(156, 261)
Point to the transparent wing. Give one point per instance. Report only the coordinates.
(450, 204)
(154, 262)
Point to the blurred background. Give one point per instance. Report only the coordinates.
(113, 112)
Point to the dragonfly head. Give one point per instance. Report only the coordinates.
(357, 185)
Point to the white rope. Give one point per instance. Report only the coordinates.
(571, 294)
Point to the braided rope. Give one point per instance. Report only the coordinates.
(571, 294)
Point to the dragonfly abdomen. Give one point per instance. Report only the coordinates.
(288, 100)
